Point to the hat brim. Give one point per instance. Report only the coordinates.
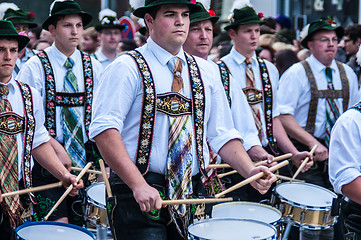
(100, 27)
(86, 17)
(140, 12)
(22, 40)
(240, 22)
(23, 21)
(204, 17)
(339, 33)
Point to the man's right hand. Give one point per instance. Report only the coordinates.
(321, 153)
(147, 197)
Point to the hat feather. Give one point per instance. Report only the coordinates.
(358, 56)
(5, 6)
(107, 12)
(241, 4)
(206, 3)
(52, 4)
(135, 4)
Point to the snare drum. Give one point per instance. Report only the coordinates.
(52, 231)
(231, 229)
(305, 204)
(95, 210)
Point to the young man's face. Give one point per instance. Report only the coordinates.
(110, 38)
(88, 44)
(351, 47)
(170, 27)
(200, 39)
(323, 46)
(245, 39)
(67, 32)
(8, 56)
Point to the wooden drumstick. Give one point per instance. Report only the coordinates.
(88, 171)
(304, 163)
(279, 158)
(105, 176)
(68, 190)
(251, 179)
(34, 189)
(196, 201)
(276, 159)
(288, 178)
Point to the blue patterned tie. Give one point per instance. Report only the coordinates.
(332, 112)
(72, 126)
(179, 161)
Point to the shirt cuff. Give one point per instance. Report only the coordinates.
(103, 123)
(251, 141)
(218, 142)
(285, 110)
(345, 178)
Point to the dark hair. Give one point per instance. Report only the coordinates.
(285, 59)
(270, 49)
(128, 44)
(353, 32)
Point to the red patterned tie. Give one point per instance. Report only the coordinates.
(9, 165)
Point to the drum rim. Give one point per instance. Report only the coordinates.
(27, 224)
(91, 200)
(250, 203)
(235, 219)
(295, 204)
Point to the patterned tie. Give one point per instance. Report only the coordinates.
(72, 126)
(9, 166)
(179, 160)
(332, 111)
(250, 82)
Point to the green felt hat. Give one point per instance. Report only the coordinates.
(7, 29)
(203, 14)
(322, 25)
(109, 22)
(243, 16)
(66, 8)
(141, 11)
(19, 16)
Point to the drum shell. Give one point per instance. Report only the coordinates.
(95, 212)
(309, 217)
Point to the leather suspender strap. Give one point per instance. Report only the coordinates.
(345, 86)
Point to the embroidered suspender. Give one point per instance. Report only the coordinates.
(266, 97)
(54, 98)
(29, 130)
(316, 94)
(357, 106)
(170, 104)
(224, 71)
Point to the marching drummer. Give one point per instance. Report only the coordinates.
(22, 134)
(153, 135)
(344, 165)
(66, 78)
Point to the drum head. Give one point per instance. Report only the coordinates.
(96, 194)
(52, 231)
(306, 194)
(247, 210)
(231, 229)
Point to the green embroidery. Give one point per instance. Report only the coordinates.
(43, 206)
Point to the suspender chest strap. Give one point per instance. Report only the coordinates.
(150, 106)
(54, 98)
(344, 93)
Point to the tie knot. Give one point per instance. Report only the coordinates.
(248, 62)
(4, 90)
(69, 63)
(175, 66)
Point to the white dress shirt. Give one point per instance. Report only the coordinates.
(241, 112)
(103, 59)
(20, 62)
(32, 73)
(41, 135)
(237, 67)
(121, 86)
(295, 93)
(344, 161)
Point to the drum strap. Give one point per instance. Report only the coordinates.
(316, 94)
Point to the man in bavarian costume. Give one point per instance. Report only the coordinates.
(23, 22)
(66, 78)
(344, 166)
(109, 34)
(312, 95)
(154, 134)
(258, 79)
(22, 134)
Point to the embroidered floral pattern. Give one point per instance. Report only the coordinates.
(225, 80)
(28, 134)
(54, 99)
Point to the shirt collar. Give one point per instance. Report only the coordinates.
(163, 55)
(239, 58)
(11, 84)
(319, 67)
(100, 56)
(60, 58)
